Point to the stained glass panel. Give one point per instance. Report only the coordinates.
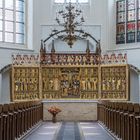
(139, 14)
(120, 6)
(120, 39)
(128, 28)
(121, 17)
(131, 27)
(130, 37)
(138, 26)
(120, 32)
(131, 15)
(138, 2)
(131, 4)
(138, 21)
(121, 29)
(138, 31)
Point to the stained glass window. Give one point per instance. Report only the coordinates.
(121, 17)
(12, 23)
(131, 21)
(138, 21)
(128, 21)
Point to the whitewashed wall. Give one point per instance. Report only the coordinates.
(41, 12)
(132, 49)
(98, 12)
(78, 46)
(134, 87)
(95, 13)
(7, 49)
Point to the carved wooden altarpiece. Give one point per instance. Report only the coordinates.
(70, 76)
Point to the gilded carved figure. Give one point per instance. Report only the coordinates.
(94, 83)
(69, 82)
(56, 83)
(83, 84)
(88, 82)
(118, 83)
(104, 84)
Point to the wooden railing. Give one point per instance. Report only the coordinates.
(122, 119)
(17, 118)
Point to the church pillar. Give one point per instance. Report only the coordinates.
(0, 87)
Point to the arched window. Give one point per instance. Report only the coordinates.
(12, 21)
(128, 21)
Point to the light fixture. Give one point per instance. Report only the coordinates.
(70, 20)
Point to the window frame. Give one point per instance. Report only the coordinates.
(77, 1)
(13, 43)
(126, 31)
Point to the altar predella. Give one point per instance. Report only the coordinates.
(70, 76)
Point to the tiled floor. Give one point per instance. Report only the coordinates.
(70, 131)
(45, 132)
(93, 131)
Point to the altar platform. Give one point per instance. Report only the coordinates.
(72, 110)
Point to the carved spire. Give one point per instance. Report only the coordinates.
(88, 50)
(53, 48)
(42, 46)
(44, 50)
(98, 48)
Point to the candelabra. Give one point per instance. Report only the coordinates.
(69, 18)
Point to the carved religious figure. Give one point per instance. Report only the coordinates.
(83, 84)
(104, 84)
(84, 60)
(64, 85)
(108, 82)
(123, 82)
(44, 84)
(51, 84)
(25, 84)
(35, 84)
(88, 84)
(75, 84)
(113, 83)
(17, 84)
(56, 83)
(94, 83)
(21, 84)
(118, 83)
